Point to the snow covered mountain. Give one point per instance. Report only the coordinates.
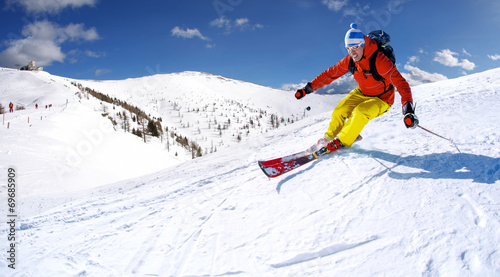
(398, 203)
(213, 111)
(74, 138)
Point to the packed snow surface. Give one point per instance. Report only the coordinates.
(398, 203)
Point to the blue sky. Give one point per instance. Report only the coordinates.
(273, 43)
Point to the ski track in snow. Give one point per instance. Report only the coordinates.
(398, 203)
(330, 250)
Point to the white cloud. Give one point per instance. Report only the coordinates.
(73, 56)
(77, 32)
(22, 51)
(241, 22)
(358, 11)
(467, 65)
(416, 76)
(220, 22)
(49, 6)
(447, 57)
(46, 30)
(494, 57)
(334, 5)
(102, 71)
(42, 43)
(229, 25)
(188, 33)
(342, 85)
(93, 54)
(466, 53)
(414, 59)
(293, 86)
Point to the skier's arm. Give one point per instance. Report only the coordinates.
(325, 78)
(331, 74)
(396, 79)
(402, 85)
(389, 72)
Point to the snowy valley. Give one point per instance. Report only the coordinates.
(95, 200)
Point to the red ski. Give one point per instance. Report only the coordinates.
(277, 167)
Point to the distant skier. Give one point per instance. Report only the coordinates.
(11, 107)
(370, 100)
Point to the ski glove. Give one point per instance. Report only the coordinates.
(302, 92)
(410, 119)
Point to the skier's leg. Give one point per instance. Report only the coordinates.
(343, 111)
(361, 115)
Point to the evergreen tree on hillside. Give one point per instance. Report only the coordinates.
(153, 129)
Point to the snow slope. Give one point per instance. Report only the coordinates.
(68, 146)
(398, 203)
(71, 147)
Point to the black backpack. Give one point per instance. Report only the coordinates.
(383, 40)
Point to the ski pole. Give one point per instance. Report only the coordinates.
(434, 133)
(450, 140)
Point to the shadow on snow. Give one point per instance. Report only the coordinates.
(479, 168)
(460, 166)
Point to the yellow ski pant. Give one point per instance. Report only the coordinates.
(352, 114)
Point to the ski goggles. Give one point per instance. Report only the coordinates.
(354, 47)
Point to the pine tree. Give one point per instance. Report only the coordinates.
(126, 123)
(153, 129)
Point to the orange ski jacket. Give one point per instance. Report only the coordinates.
(368, 85)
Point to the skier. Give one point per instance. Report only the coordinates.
(370, 99)
(11, 107)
